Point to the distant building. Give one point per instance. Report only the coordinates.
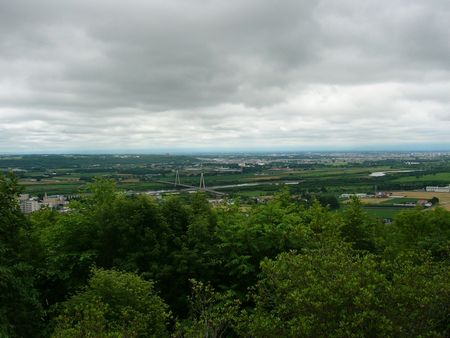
(360, 195)
(438, 189)
(54, 201)
(27, 206)
(382, 194)
(217, 201)
(24, 197)
(424, 203)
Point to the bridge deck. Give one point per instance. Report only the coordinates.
(193, 187)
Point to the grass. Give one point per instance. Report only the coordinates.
(380, 212)
(442, 177)
(401, 200)
(142, 186)
(69, 188)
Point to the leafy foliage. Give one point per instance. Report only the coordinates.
(20, 309)
(287, 268)
(114, 304)
(324, 292)
(358, 228)
(336, 292)
(422, 230)
(212, 314)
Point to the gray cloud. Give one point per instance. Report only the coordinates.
(208, 73)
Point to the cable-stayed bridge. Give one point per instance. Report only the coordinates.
(201, 187)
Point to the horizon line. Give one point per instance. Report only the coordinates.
(223, 151)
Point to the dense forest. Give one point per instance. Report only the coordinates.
(121, 266)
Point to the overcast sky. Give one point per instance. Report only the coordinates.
(102, 75)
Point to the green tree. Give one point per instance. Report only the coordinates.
(336, 291)
(248, 236)
(114, 304)
(212, 314)
(422, 230)
(419, 298)
(329, 200)
(434, 200)
(20, 309)
(107, 229)
(191, 250)
(358, 229)
(325, 292)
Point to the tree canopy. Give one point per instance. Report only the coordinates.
(134, 266)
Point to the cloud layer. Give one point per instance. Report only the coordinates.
(210, 74)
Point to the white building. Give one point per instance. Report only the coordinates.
(438, 189)
(30, 205)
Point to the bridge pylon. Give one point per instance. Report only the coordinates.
(177, 178)
(202, 182)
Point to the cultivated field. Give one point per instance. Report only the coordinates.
(374, 200)
(444, 197)
(240, 175)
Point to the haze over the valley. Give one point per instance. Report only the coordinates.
(99, 76)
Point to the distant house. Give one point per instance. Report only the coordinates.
(424, 203)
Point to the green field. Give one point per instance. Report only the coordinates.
(385, 212)
(61, 189)
(66, 174)
(399, 201)
(441, 177)
(142, 186)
